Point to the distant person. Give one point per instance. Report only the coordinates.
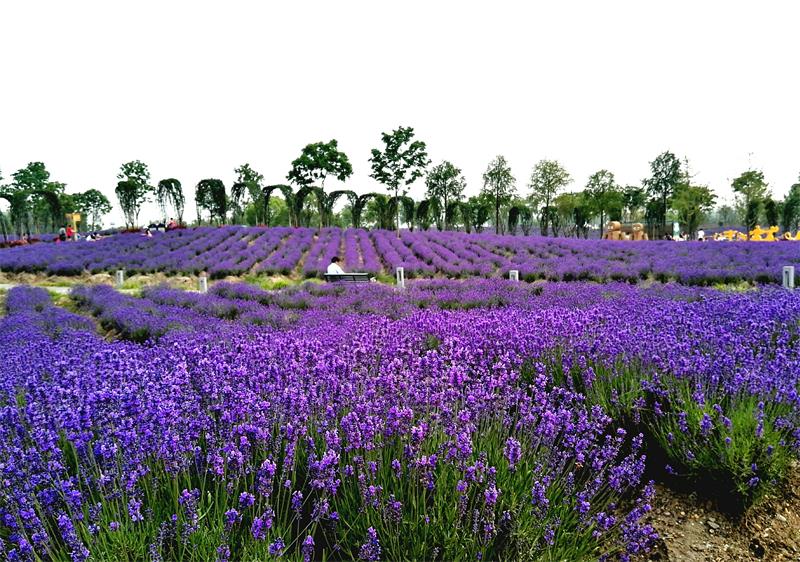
(62, 234)
(147, 232)
(172, 225)
(701, 235)
(69, 232)
(333, 268)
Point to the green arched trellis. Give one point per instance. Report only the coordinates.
(331, 199)
(288, 195)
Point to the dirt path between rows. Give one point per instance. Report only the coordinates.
(692, 530)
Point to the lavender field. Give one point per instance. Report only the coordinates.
(474, 419)
(303, 252)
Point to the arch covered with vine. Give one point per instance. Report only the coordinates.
(330, 201)
(288, 196)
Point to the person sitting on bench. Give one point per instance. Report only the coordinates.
(333, 268)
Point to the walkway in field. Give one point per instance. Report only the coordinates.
(55, 289)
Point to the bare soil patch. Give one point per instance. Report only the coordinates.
(694, 530)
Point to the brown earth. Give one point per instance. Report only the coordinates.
(693, 530)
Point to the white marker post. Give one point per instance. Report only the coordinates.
(202, 283)
(119, 278)
(513, 275)
(788, 277)
(401, 277)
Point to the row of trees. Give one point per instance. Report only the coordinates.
(668, 194)
(37, 204)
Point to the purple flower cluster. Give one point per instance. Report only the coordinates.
(333, 432)
(238, 250)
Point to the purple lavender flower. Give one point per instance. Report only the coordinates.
(276, 547)
(308, 548)
(371, 549)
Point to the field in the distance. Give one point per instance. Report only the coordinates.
(304, 252)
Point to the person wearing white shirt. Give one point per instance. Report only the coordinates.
(333, 268)
(701, 235)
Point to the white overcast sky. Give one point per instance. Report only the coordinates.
(196, 88)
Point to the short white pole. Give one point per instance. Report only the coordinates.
(401, 277)
(202, 283)
(119, 278)
(513, 275)
(788, 277)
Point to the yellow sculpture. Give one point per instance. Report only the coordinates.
(759, 234)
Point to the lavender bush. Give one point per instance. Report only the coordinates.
(306, 253)
(479, 419)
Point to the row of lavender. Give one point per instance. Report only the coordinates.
(307, 252)
(354, 439)
(364, 426)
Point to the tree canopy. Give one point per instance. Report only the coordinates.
(499, 187)
(399, 163)
(547, 179)
(317, 161)
(446, 184)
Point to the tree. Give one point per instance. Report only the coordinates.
(210, 196)
(133, 190)
(499, 187)
(475, 212)
(604, 194)
(169, 192)
(751, 215)
(249, 182)
(634, 199)
(446, 184)
(32, 209)
(317, 161)
(93, 205)
(725, 215)
(547, 179)
(790, 214)
(749, 187)
(565, 204)
(692, 203)
(400, 163)
(771, 211)
(665, 175)
(33, 177)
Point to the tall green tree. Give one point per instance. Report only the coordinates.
(751, 214)
(317, 161)
(399, 163)
(446, 184)
(725, 215)
(665, 175)
(604, 194)
(133, 190)
(32, 177)
(92, 204)
(692, 203)
(750, 187)
(548, 178)
(790, 214)
(634, 199)
(248, 187)
(169, 193)
(771, 211)
(210, 196)
(499, 187)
